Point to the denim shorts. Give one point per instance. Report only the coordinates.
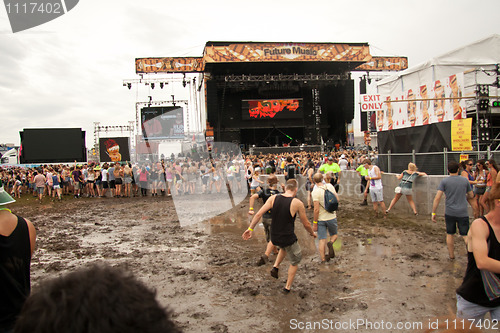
(377, 194)
(469, 310)
(331, 225)
(453, 221)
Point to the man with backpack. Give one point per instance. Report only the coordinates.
(324, 217)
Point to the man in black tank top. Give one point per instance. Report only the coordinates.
(480, 289)
(17, 242)
(284, 210)
(265, 194)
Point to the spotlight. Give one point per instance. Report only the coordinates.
(152, 85)
(129, 85)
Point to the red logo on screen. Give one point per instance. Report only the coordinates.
(269, 108)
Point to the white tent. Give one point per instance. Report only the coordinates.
(483, 54)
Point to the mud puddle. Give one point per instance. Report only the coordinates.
(395, 270)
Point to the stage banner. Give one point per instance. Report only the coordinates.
(256, 52)
(384, 64)
(161, 123)
(169, 65)
(114, 149)
(461, 134)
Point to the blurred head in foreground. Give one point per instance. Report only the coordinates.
(95, 299)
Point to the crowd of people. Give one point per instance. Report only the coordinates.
(480, 188)
(184, 175)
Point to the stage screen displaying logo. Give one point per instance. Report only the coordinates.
(114, 149)
(272, 109)
(159, 123)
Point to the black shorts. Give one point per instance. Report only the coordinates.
(105, 184)
(118, 181)
(111, 183)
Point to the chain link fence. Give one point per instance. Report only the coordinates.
(432, 163)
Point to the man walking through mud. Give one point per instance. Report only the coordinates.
(284, 210)
(457, 190)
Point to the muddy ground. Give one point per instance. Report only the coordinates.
(385, 272)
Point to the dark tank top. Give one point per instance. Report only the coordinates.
(283, 223)
(472, 288)
(15, 257)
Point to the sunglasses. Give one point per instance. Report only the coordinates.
(470, 164)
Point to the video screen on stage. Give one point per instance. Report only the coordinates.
(114, 149)
(53, 145)
(166, 122)
(291, 108)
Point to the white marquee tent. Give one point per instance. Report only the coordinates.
(482, 56)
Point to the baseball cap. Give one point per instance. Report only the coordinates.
(5, 198)
(330, 158)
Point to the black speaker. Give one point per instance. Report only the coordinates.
(349, 100)
(362, 86)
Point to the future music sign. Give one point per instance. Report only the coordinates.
(259, 52)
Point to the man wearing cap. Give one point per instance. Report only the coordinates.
(334, 168)
(343, 163)
(17, 243)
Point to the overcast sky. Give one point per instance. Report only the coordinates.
(69, 72)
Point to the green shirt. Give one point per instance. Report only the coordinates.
(324, 168)
(362, 170)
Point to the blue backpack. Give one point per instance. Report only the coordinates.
(331, 202)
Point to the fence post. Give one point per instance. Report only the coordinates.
(389, 161)
(445, 160)
(413, 157)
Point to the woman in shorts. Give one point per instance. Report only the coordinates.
(127, 180)
(480, 176)
(407, 178)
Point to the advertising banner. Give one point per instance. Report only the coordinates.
(160, 123)
(114, 149)
(435, 102)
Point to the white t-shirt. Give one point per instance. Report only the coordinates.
(318, 194)
(343, 164)
(104, 175)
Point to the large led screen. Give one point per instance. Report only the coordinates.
(291, 108)
(160, 123)
(52, 145)
(114, 149)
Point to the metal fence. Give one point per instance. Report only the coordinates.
(432, 163)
